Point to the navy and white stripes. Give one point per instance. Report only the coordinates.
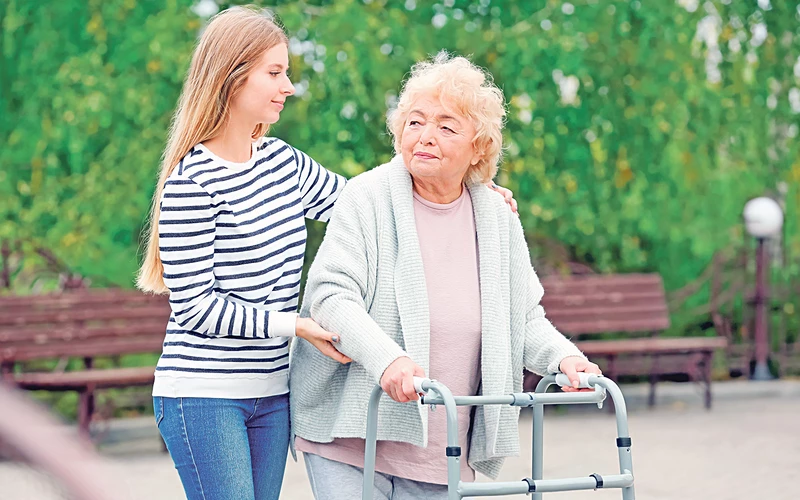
(232, 239)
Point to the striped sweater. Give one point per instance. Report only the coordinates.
(232, 239)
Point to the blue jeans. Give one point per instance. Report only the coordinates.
(226, 449)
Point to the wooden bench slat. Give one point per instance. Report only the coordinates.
(618, 312)
(551, 300)
(85, 315)
(75, 380)
(100, 298)
(593, 309)
(600, 290)
(46, 334)
(611, 321)
(652, 345)
(591, 326)
(625, 279)
(601, 286)
(665, 364)
(104, 347)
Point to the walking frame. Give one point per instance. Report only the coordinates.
(436, 393)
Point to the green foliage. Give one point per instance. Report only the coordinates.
(645, 168)
(87, 92)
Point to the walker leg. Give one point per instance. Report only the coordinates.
(368, 486)
(537, 462)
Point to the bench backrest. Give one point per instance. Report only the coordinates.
(620, 303)
(81, 323)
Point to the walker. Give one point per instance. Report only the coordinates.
(534, 485)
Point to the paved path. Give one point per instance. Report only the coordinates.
(747, 446)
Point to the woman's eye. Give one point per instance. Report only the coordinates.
(413, 122)
(448, 129)
(274, 73)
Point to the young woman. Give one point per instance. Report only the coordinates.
(227, 243)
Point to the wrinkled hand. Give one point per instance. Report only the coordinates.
(308, 329)
(571, 365)
(507, 195)
(398, 380)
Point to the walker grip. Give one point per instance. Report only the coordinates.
(418, 381)
(564, 381)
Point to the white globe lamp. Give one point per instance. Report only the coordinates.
(763, 217)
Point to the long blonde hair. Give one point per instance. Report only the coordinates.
(229, 48)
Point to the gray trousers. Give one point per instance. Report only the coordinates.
(331, 480)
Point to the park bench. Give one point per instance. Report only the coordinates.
(83, 325)
(632, 307)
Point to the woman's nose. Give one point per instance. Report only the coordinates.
(426, 137)
(288, 89)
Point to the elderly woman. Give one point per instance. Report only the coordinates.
(425, 272)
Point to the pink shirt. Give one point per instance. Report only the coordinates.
(448, 242)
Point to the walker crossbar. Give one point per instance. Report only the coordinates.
(535, 485)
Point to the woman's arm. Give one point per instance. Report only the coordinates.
(186, 232)
(187, 228)
(545, 346)
(336, 289)
(319, 187)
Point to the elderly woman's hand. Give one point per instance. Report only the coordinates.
(571, 365)
(398, 380)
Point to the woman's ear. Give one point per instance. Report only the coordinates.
(478, 154)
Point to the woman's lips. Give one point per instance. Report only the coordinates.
(424, 156)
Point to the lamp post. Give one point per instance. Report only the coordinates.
(763, 219)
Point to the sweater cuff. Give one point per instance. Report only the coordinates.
(381, 357)
(281, 324)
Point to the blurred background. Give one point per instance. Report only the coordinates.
(636, 133)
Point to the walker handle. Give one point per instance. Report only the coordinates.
(564, 381)
(418, 381)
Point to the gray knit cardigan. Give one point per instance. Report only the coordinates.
(367, 283)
